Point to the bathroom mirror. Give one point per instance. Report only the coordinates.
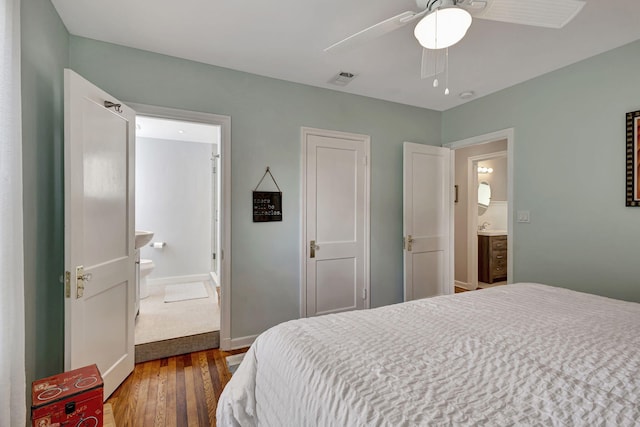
(484, 197)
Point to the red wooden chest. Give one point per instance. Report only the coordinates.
(70, 399)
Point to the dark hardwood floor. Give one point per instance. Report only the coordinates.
(174, 391)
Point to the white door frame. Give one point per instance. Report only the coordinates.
(224, 275)
(366, 139)
(472, 249)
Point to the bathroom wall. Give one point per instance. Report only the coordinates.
(496, 213)
(497, 179)
(173, 199)
(461, 208)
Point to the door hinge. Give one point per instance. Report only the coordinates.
(214, 255)
(408, 243)
(67, 284)
(364, 293)
(79, 281)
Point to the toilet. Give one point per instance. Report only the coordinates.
(146, 267)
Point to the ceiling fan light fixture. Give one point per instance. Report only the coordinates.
(443, 27)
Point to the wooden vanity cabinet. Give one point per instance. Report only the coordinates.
(492, 258)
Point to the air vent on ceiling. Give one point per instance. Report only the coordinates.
(343, 78)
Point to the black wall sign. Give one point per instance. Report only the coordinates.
(267, 206)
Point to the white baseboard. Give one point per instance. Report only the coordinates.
(463, 285)
(178, 279)
(236, 343)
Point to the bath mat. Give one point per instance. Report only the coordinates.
(184, 291)
(234, 361)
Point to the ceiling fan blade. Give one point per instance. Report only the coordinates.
(538, 13)
(375, 31)
(432, 62)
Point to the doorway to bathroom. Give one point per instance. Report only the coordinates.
(179, 198)
(482, 213)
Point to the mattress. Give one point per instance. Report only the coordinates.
(523, 354)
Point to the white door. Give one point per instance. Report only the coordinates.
(336, 235)
(426, 221)
(99, 232)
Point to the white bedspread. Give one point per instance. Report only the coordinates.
(524, 354)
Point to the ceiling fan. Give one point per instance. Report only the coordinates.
(445, 22)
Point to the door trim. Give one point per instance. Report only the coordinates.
(509, 135)
(366, 139)
(225, 199)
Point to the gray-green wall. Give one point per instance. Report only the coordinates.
(45, 53)
(569, 171)
(266, 116)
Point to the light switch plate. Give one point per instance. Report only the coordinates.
(523, 216)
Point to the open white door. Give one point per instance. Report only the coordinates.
(426, 221)
(99, 232)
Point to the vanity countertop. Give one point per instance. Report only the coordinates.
(492, 233)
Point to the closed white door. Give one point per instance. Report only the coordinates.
(336, 234)
(99, 232)
(426, 221)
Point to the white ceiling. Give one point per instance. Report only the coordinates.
(176, 130)
(285, 39)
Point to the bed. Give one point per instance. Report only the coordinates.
(522, 354)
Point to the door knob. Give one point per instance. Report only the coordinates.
(409, 243)
(313, 248)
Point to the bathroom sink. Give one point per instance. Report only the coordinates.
(142, 238)
(492, 233)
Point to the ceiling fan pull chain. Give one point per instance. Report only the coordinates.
(446, 70)
(435, 71)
